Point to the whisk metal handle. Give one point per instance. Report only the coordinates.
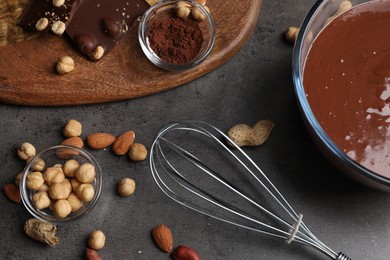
(342, 256)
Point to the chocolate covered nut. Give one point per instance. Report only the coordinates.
(85, 43)
(111, 27)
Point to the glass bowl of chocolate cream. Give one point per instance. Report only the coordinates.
(177, 35)
(341, 74)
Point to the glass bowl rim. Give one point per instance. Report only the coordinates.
(319, 132)
(154, 58)
(52, 219)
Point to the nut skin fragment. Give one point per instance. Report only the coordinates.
(244, 135)
(26, 151)
(126, 187)
(42, 231)
(65, 65)
(138, 152)
(72, 127)
(96, 240)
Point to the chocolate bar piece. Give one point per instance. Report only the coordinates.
(43, 15)
(98, 25)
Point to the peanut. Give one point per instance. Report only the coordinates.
(244, 135)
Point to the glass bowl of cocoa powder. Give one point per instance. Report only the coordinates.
(177, 35)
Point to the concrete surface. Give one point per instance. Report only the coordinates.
(256, 84)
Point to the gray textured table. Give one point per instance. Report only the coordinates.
(255, 84)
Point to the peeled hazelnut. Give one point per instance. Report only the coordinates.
(74, 183)
(70, 167)
(65, 65)
(61, 190)
(58, 27)
(41, 200)
(53, 175)
(138, 152)
(85, 173)
(126, 187)
(98, 53)
(183, 11)
(292, 34)
(197, 14)
(34, 181)
(38, 165)
(44, 187)
(42, 24)
(26, 151)
(85, 192)
(62, 208)
(18, 178)
(72, 128)
(96, 240)
(74, 202)
(58, 3)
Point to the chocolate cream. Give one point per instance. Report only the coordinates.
(347, 81)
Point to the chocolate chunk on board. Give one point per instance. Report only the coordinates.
(56, 17)
(98, 25)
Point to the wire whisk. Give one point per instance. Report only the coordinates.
(198, 166)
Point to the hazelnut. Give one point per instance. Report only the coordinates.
(85, 173)
(38, 165)
(44, 187)
(72, 128)
(70, 167)
(58, 3)
(58, 27)
(41, 200)
(62, 208)
(74, 202)
(59, 191)
(53, 175)
(138, 152)
(197, 14)
(183, 11)
(126, 187)
(18, 178)
(74, 183)
(98, 53)
(96, 240)
(34, 180)
(65, 65)
(26, 151)
(42, 24)
(85, 192)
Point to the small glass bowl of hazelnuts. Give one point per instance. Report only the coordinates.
(177, 35)
(60, 184)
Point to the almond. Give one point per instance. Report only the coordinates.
(71, 141)
(12, 192)
(92, 254)
(100, 140)
(162, 237)
(122, 144)
(185, 253)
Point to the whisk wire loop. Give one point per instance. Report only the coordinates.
(185, 191)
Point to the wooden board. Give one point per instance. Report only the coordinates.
(28, 77)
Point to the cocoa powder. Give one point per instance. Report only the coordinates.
(175, 40)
